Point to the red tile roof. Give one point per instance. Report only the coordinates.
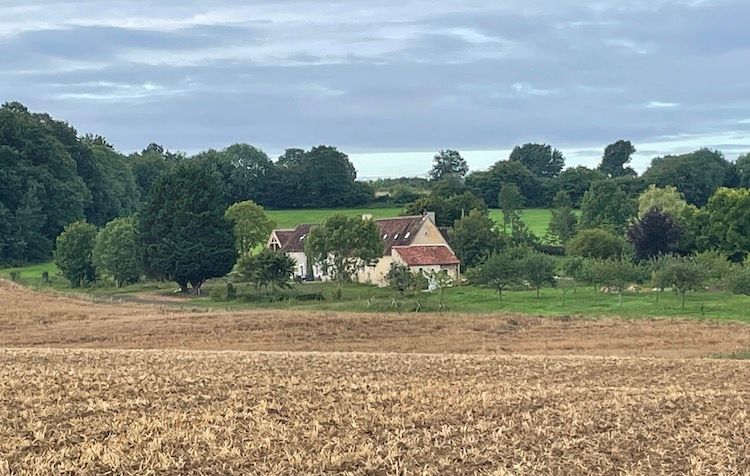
(427, 255)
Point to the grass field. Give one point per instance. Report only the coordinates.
(171, 390)
(537, 219)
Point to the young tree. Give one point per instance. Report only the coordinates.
(563, 223)
(117, 252)
(619, 274)
(73, 253)
(538, 270)
(400, 278)
(667, 199)
(448, 162)
(656, 233)
(740, 283)
(500, 270)
(251, 226)
(342, 245)
(510, 201)
(596, 243)
(267, 268)
(606, 205)
(541, 159)
(682, 274)
(185, 235)
(474, 238)
(615, 157)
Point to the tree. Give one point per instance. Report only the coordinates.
(185, 235)
(342, 245)
(500, 270)
(148, 165)
(447, 210)
(448, 162)
(511, 202)
(267, 268)
(73, 253)
(667, 199)
(605, 205)
(117, 252)
(576, 181)
(563, 222)
(697, 174)
(449, 185)
(743, 170)
(596, 243)
(251, 226)
(682, 274)
(615, 157)
(114, 192)
(474, 238)
(619, 274)
(727, 228)
(538, 270)
(740, 283)
(656, 233)
(400, 278)
(541, 159)
(487, 184)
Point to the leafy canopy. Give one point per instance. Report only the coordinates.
(73, 253)
(251, 226)
(117, 252)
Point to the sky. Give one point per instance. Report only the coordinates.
(389, 82)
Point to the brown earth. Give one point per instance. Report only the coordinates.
(36, 319)
(92, 412)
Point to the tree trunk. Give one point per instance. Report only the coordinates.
(619, 300)
(682, 298)
(183, 286)
(537, 293)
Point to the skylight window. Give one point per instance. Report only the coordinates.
(407, 235)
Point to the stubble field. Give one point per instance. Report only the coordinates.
(106, 388)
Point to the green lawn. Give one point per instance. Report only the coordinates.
(535, 218)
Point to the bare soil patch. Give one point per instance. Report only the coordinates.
(36, 319)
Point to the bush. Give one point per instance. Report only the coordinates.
(596, 243)
(740, 283)
(117, 252)
(223, 293)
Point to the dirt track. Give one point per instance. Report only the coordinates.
(33, 319)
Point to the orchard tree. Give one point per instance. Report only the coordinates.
(251, 226)
(596, 243)
(681, 274)
(73, 253)
(563, 222)
(538, 270)
(343, 245)
(474, 238)
(267, 268)
(667, 199)
(616, 157)
(117, 252)
(606, 205)
(448, 162)
(511, 202)
(541, 159)
(619, 274)
(501, 270)
(655, 233)
(185, 235)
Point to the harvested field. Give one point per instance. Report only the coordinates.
(176, 412)
(34, 319)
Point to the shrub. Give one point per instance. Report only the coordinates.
(117, 253)
(73, 253)
(740, 283)
(596, 243)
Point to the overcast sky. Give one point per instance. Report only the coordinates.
(388, 81)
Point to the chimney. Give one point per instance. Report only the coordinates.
(367, 216)
(431, 217)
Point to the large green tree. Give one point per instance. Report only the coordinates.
(251, 226)
(596, 243)
(475, 237)
(74, 253)
(606, 205)
(563, 222)
(117, 252)
(655, 233)
(541, 159)
(267, 268)
(538, 270)
(667, 199)
(342, 245)
(486, 184)
(696, 175)
(501, 270)
(615, 159)
(576, 181)
(743, 170)
(185, 235)
(448, 162)
(728, 226)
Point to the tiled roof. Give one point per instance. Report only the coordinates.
(399, 231)
(295, 240)
(283, 235)
(427, 255)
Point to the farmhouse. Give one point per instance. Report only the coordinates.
(413, 241)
